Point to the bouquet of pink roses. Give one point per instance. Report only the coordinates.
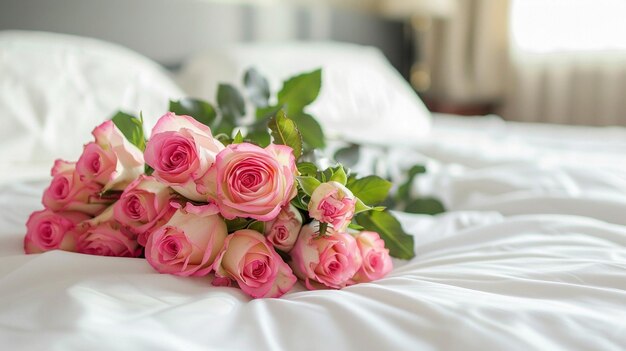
(198, 198)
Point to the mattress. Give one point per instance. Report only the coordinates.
(530, 255)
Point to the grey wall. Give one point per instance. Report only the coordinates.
(170, 30)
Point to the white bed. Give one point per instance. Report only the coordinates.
(531, 255)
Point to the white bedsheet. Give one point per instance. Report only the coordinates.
(533, 256)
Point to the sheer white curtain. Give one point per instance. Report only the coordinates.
(568, 62)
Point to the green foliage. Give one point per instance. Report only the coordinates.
(301, 200)
(230, 102)
(371, 189)
(131, 127)
(299, 91)
(339, 176)
(405, 200)
(348, 156)
(238, 138)
(307, 169)
(427, 205)
(238, 223)
(399, 243)
(312, 133)
(258, 226)
(200, 110)
(148, 170)
(257, 88)
(259, 136)
(308, 184)
(285, 132)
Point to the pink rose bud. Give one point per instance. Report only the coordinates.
(254, 182)
(181, 151)
(144, 206)
(103, 236)
(111, 161)
(325, 261)
(67, 193)
(47, 230)
(283, 231)
(250, 260)
(376, 260)
(332, 203)
(189, 242)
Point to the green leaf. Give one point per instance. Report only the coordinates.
(260, 137)
(264, 113)
(415, 170)
(299, 91)
(308, 184)
(299, 201)
(238, 138)
(427, 205)
(325, 175)
(339, 176)
(131, 127)
(360, 207)
(348, 156)
(258, 226)
(257, 87)
(237, 224)
(230, 102)
(404, 191)
(312, 133)
(148, 170)
(224, 139)
(201, 110)
(399, 243)
(371, 189)
(307, 169)
(285, 132)
(224, 127)
(355, 226)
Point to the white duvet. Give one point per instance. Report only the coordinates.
(532, 256)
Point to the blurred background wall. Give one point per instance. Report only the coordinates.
(557, 61)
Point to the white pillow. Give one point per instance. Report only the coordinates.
(363, 98)
(54, 89)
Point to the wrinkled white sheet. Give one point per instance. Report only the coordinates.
(532, 257)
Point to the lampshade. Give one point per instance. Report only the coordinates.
(401, 9)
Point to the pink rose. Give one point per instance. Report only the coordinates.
(330, 260)
(254, 182)
(250, 260)
(144, 206)
(283, 231)
(332, 203)
(47, 230)
(189, 242)
(67, 193)
(181, 151)
(111, 160)
(103, 236)
(376, 260)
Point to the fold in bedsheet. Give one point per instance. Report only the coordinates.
(535, 282)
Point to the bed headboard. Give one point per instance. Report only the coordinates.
(170, 30)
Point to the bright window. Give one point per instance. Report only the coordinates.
(553, 26)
